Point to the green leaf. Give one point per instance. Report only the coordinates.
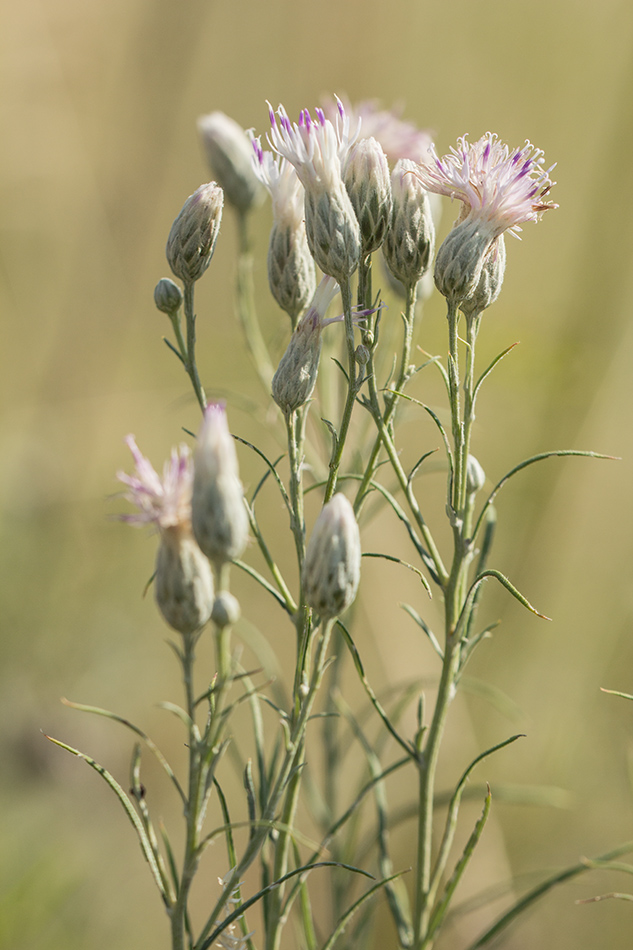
(151, 745)
(424, 626)
(441, 907)
(560, 453)
(615, 692)
(129, 809)
(490, 368)
(347, 916)
(398, 560)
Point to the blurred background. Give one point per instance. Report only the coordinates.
(99, 150)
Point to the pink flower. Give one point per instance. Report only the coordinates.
(399, 138)
(500, 187)
(280, 179)
(164, 502)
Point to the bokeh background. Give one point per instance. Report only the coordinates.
(99, 149)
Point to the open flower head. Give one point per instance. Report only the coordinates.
(279, 177)
(398, 137)
(164, 502)
(316, 147)
(498, 186)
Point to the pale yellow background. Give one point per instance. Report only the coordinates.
(98, 151)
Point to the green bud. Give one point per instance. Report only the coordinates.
(226, 609)
(183, 583)
(167, 296)
(291, 272)
(410, 240)
(296, 375)
(490, 280)
(331, 570)
(193, 234)
(366, 176)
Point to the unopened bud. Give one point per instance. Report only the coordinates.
(331, 570)
(226, 609)
(366, 176)
(296, 375)
(218, 514)
(475, 476)
(362, 354)
(410, 240)
(229, 154)
(490, 280)
(332, 230)
(167, 296)
(461, 258)
(291, 272)
(183, 583)
(193, 234)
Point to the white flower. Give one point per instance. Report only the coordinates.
(280, 179)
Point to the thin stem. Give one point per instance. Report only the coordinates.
(246, 306)
(352, 391)
(190, 355)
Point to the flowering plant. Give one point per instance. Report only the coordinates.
(336, 206)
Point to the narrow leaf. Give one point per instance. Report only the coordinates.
(424, 626)
(347, 916)
(398, 560)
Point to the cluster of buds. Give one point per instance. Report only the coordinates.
(198, 509)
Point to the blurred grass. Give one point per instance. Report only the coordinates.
(98, 107)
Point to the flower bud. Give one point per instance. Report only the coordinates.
(167, 296)
(218, 514)
(193, 234)
(331, 570)
(291, 272)
(410, 239)
(366, 176)
(226, 609)
(461, 258)
(183, 583)
(475, 476)
(228, 152)
(362, 354)
(332, 230)
(296, 375)
(490, 280)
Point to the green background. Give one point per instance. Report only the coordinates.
(98, 103)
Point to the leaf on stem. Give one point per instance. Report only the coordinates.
(557, 453)
(490, 368)
(398, 560)
(151, 745)
(615, 692)
(128, 808)
(347, 916)
(415, 616)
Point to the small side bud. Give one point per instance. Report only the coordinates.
(167, 296)
(362, 354)
(183, 583)
(218, 514)
(475, 476)
(490, 280)
(193, 234)
(331, 570)
(366, 176)
(226, 610)
(229, 154)
(410, 240)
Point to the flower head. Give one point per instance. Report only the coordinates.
(399, 138)
(193, 234)
(331, 570)
(500, 187)
(164, 502)
(316, 147)
(279, 177)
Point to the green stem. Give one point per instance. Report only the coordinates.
(391, 400)
(352, 391)
(190, 354)
(246, 306)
